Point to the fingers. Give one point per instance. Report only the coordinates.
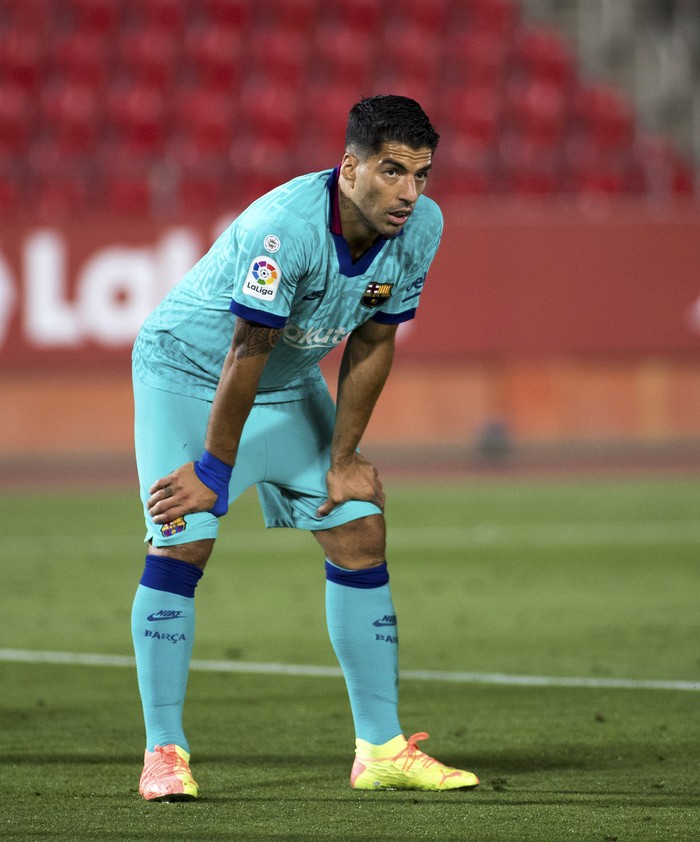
(162, 507)
(372, 495)
(325, 508)
(179, 494)
(165, 503)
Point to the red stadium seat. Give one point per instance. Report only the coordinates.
(83, 58)
(13, 196)
(219, 57)
(409, 51)
(17, 113)
(459, 184)
(206, 119)
(531, 183)
(539, 109)
(291, 16)
(429, 15)
(500, 17)
(474, 112)
(530, 166)
(139, 116)
(126, 192)
(460, 152)
(542, 53)
(362, 15)
(228, 14)
(259, 164)
(324, 114)
(463, 167)
(33, 16)
(201, 193)
(72, 115)
(22, 58)
(271, 111)
(148, 56)
(474, 58)
(170, 16)
(96, 15)
(605, 116)
(58, 197)
(343, 56)
(666, 173)
(311, 157)
(61, 178)
(594, 170)
(282, 55)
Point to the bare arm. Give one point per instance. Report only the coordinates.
(181, 492)
(364, 369)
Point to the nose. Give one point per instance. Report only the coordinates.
(409, 191)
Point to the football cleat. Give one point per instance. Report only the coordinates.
(400, 764)
(166, 775)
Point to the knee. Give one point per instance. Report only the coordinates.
(356, 545)
(194, 552)
(373, 540)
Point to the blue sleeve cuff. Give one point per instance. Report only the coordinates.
(394, 318)
(261, 317)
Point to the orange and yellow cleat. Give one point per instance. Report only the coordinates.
(400, 764)
(166, 775)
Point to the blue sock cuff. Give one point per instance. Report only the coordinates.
(371, 577)
(170, 574)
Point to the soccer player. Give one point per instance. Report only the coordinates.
(226, 375)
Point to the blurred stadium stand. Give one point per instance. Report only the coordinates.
(182, 106)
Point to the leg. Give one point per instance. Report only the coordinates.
(362, 628)
(362, 623)
(360, 613)
(169, 429)
(162, 627)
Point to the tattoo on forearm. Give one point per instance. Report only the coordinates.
(251, 340)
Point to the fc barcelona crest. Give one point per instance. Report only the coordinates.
(174, 527)
(376, 294)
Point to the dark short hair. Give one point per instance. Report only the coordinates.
(377, 120)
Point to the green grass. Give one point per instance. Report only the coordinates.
(590, 579)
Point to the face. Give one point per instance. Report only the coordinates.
(381, 191)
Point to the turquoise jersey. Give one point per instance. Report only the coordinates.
(284, 263)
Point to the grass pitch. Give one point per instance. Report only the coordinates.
(581, 580)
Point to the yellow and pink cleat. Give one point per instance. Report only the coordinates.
(166, 775)
(400, 764)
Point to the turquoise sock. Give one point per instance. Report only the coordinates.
(162, 628)
(362, 628)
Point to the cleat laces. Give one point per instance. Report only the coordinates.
(166, 762)
(412, 754)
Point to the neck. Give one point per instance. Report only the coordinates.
(356, 233)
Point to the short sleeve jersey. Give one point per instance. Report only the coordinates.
(284, 263)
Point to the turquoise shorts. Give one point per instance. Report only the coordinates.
(284, 451)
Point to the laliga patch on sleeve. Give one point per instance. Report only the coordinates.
(263, 279)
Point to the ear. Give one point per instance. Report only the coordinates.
(348, 168)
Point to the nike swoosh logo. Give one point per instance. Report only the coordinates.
(172, 615)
